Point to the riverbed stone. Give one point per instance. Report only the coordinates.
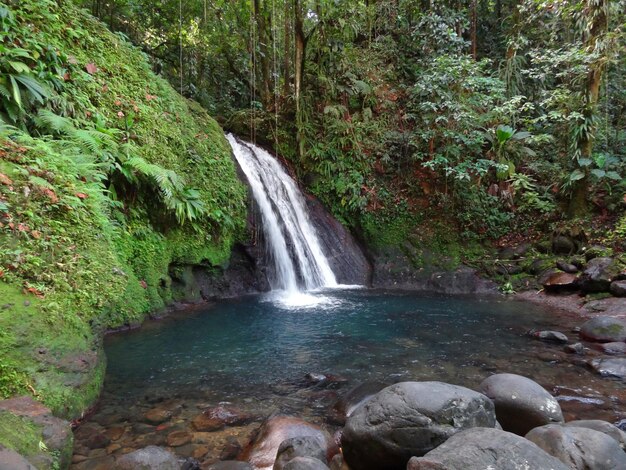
(157, 415)
(618, 288)
(614, 348)
(602, 426)
(306, 446)
(566, 267)
(598, 275)
(485, 448)
(563, 245)
(178, 438)
(305, 463)
(576, 348)
(262, 451)
(610, 367)
(559, 282)
(604, 329)
(148, 458)
(579, 448)
(213, 419)
(230, 465)
(11, 460)
(521, 404)
(550, 336)
(410, 418)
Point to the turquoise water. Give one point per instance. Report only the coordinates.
(254, 353)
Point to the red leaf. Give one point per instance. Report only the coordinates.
(82, 195)
(91, 68)
(4, 179)
(143, 284)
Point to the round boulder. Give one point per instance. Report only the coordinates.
(410, 418)
(484, 448)
(560, 282)
(307, 446)
(598, 274)
(148, 458)
(262, 452)
(521, 404)
(604, 330)
(352, 399)
(618, 288)
(305, 463)
(579, 448)
(601, 426)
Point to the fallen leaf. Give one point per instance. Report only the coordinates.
(4, 179)
(82, 195)
(36, 234)
(143, 284)
(91, 68)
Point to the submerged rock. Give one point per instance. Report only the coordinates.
(218, 417)
(552, 336)
(410, 418)
(308, 446)
(262, 451)
(579, 448)
(148, 458)
(521, 404)
(484, 448)
(604, 329)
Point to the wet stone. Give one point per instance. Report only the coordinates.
(610, 367)
(157, 415)
(551, 336)
(576, 348)
(618, 288)
(614, 348)
(218, 417)
(604, 329)
(178, 438)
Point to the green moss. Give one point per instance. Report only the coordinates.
(19, 434)
(77, 254)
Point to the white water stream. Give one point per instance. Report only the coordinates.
(292, 242)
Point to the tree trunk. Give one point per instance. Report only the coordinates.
(473, 26)
(300, 50)
(287, 56)
(264, 39)
(597, 13)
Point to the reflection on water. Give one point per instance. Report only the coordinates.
(254, 353)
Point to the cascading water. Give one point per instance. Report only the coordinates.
(292, 243)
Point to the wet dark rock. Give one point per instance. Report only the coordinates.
(562, 245)
(57, 433)
(506, 253)
(231, 449)
(11, 460)
(613, 348)
(598, 275)
(604, 329)
(618, 288)
(566, 267)
(356, 396)
(576, 348)
(484, 448)
(105, 462)
(410, 418)
(157, 415)
(539, 266)
(610, 367)
(305, 463)
(579, 448)
(508, 269)
(262, 451)
(307, 446)
(601, 426)
(551, 336)
(218, 417)
(521, 404)
(346, 257)
(230, 465)
(148, 458)
(560, 282)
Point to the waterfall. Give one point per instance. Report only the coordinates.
(292, 243)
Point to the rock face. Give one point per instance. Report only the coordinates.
(604, 330)
(56, 433)
(309, 446)
(601, 426)
(521, 404)
(484, 448)
(579, 448)
(262, 452)
(345, 255)
(410, 418)
(148, 458)
(598, 275)
(610, 367)
(10, 460)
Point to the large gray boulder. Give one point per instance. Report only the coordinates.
(604, 329)
(601, 426)
(579, 448)
(410, 418)
(352, 399)
(148, 458)
(598, 275)
(521, 404)
(484, 448)
(305, 463)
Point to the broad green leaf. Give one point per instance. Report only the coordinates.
(613, 175)
(576, 175)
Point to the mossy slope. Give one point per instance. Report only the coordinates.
(79, 253)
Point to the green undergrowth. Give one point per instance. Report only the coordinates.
(107, 178)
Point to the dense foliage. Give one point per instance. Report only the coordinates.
(109, 180)
(507, 114)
